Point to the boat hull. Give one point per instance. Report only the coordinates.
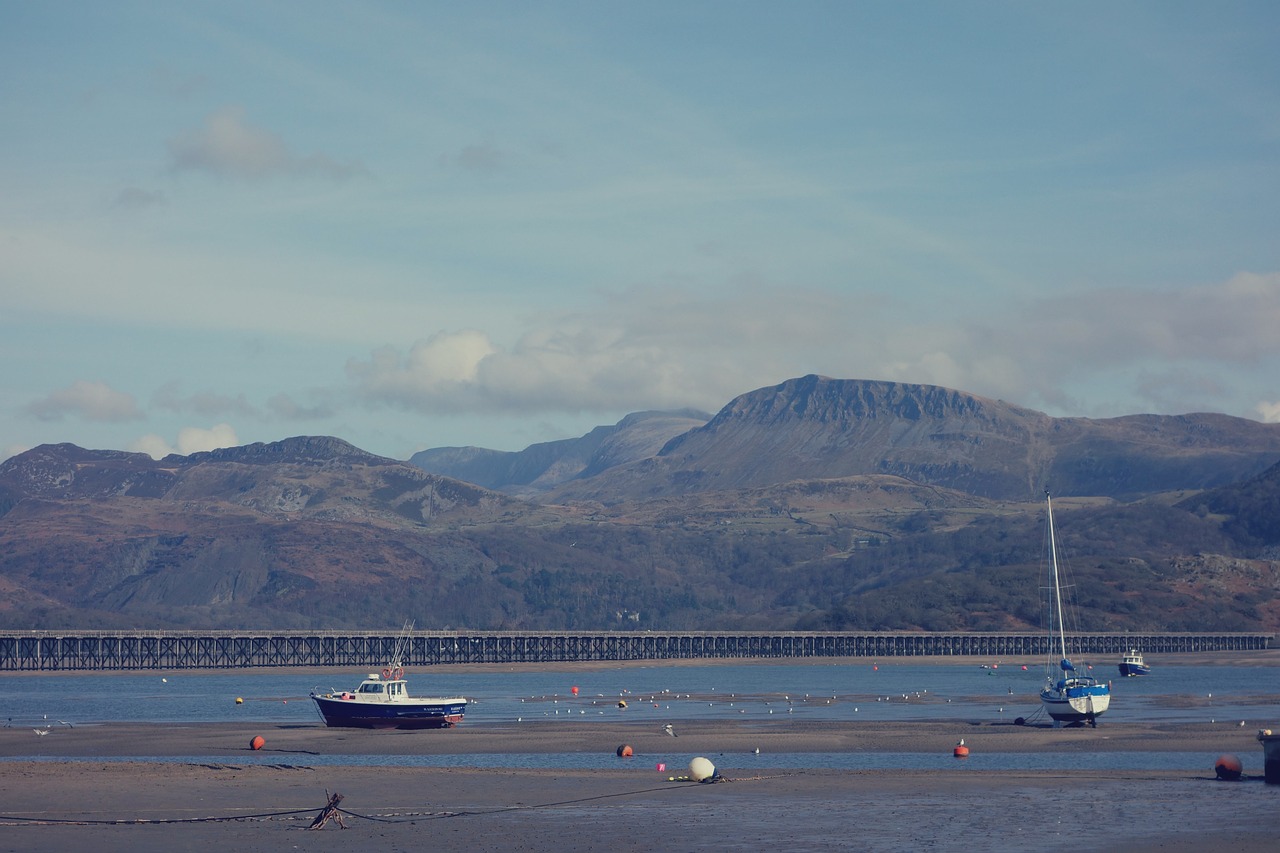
(1076, 704)
(415, 714)
(1130, 669)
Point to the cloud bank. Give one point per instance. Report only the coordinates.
(89, 400)
(656, 348)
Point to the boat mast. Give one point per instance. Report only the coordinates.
(1057, 591)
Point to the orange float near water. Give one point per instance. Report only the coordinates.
(258, 742)
(1228, 768)
(624, 751)
(961, 751)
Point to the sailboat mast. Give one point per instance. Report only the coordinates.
(1057, 590)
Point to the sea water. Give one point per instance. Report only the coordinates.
(880, 691)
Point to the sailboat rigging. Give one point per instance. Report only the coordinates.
(1068, 696)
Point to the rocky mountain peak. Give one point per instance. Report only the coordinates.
(820, 399)
(299, 450)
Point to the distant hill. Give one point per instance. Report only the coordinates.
(817, 503)
(819, 428)
(541, 467)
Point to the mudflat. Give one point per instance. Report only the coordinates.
(142, 806)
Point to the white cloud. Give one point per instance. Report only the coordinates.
(438, 372)
(226, 146)
(190, 440)
(152, 445)
(1270, 412)
(92, 401)
(644, 348)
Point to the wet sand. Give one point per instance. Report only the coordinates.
(226, 804)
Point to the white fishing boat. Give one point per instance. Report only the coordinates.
(1068, 696)
(1132, 663)
(382, 701)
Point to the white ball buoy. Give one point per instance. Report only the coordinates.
(700, 769)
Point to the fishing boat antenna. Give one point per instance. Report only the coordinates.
(403, 642)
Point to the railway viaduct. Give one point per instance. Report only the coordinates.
(67, 650)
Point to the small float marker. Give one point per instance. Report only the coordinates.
(961, 751)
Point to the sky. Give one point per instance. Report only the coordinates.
(428, 224)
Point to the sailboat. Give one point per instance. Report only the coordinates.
(1068, 696)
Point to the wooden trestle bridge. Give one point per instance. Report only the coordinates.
(25, 651)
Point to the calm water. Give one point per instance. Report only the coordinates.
(666, 693)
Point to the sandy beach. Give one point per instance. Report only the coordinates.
(51, 805)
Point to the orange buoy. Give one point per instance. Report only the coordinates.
(258, 742)
(961, 751)
(1228, 768)
(573, 690)
(624, 751)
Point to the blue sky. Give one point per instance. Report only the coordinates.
(416, 225)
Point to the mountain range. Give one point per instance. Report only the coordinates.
(817, 503)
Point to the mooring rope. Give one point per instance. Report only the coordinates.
(20, 820)
(577, 801)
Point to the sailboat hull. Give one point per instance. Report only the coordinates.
(1082, 703)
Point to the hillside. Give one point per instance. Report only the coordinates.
(541, 467)
(814, 427)
(816, 503)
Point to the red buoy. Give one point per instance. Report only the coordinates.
(258, 742)
(624, 751)
(961, 751)
(1228, 768)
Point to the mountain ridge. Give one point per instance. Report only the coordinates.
(817, 427)
(815, 503)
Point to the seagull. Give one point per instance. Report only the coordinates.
(41, 732)
(667, 728)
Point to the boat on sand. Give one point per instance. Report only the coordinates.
(382, 701)
(1068, 695)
